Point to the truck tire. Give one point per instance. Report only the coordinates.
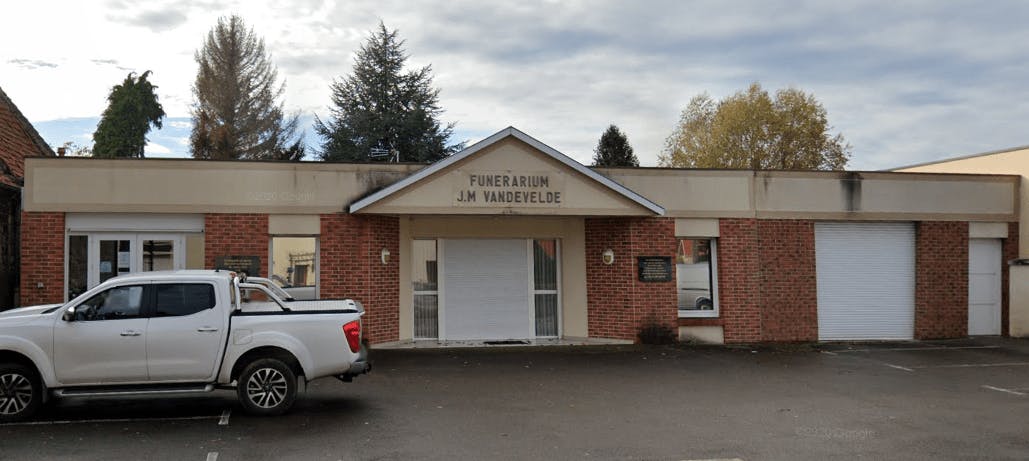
(267, 387)
(21, 392)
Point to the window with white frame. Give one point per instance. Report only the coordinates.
(696, 280)
(294, 265)
(545, 287)
(425, 284)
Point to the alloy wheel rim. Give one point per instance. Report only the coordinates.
(267, 387)
(15, 393)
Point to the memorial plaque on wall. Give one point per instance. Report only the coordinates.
(655, 268)
(251, 265)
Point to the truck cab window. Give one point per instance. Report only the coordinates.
(114, 304)
(178, 299)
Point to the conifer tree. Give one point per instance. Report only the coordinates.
(382, 112)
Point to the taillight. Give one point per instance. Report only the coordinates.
(352, 331)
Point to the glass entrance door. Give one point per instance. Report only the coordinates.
(95, 257)
(114, 256)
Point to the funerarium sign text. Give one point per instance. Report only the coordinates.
(528, 189)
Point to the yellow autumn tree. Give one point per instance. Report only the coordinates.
(752, 130)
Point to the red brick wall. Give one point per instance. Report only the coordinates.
(618, 304)
(739, 279)
(788, 289)
(231, 234)
(351, 267)
(1009, 251)
(609, 300)
(42, 258)
(941, 280)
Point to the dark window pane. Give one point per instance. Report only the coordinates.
(426, 322)
(78, 265)
(116, 303)
(115, 258)
(546, 315)
(183, 299)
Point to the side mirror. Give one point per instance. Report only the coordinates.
(69, 315)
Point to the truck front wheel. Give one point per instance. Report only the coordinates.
(20, 392)
(267, 387)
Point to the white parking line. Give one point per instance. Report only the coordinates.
(1001, 389)
(715, 459)
(224, 421)
(903, 349)
(94, 421)
(212, 456)
(898, 367)
(974, 365)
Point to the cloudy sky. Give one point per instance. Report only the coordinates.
(904, 81)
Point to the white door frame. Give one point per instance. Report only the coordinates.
(93, 257)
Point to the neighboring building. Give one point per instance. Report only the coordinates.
(1013, 161)
(512, 240)
(18, 139)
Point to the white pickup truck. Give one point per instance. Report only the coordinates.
(176, 332)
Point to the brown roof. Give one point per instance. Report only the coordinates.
(18, 139)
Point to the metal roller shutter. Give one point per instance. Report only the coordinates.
(486, 290)
(866, 280)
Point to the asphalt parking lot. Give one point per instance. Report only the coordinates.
(965, 399)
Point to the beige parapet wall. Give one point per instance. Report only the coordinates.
(825, 195)
(197, 186)
(187, 186)
(1015, 161)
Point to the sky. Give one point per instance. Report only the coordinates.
(903, 81)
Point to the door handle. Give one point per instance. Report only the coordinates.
(207, 329)
(130, 333)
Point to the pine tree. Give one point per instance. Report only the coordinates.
(613, 149)
(382, 109)
(235, 113)
(132, 108)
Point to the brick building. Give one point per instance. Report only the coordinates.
(512, 240)
(18, 139)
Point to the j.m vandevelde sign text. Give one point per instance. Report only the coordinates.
(509, 189)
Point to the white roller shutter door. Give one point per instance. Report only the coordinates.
(486, 290)
(866, 280)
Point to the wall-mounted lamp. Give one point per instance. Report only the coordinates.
(608, 256)
(384, 254)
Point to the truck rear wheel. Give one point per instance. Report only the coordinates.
(267, 387)
(20, 392)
